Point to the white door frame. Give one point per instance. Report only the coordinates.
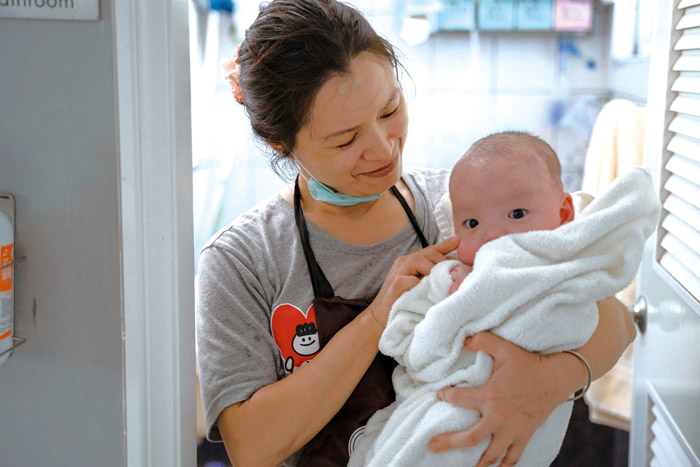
(153, 101)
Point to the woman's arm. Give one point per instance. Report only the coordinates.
(281, 417)
(525, 387)
(614, 333)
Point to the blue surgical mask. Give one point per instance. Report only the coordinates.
(321, 192)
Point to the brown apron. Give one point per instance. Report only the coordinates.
(330, 447)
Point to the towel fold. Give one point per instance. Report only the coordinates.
(536, 289)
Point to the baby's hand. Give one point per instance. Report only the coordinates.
(459, 273)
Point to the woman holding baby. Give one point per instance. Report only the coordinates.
(295, 293)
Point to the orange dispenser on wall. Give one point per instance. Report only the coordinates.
(7, 244)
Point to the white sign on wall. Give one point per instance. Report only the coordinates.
(85, 10)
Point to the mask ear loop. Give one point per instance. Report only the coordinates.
(301, 169)
(310, 177)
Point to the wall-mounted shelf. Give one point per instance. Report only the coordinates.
(560, 16)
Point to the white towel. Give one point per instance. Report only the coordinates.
(535, 289)
(616, 144)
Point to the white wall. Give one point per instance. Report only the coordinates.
(61, 394)
(630, 79)
(627, 79)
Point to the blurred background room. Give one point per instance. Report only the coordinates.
(574, 72)
(122, 151)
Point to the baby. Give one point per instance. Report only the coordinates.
(528, 272)
(505, 183)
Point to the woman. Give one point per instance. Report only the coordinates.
(295, 293)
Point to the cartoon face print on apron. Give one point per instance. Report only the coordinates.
(333, 444)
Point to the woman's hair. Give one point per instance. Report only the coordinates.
(290, 51)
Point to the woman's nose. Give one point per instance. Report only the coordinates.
(381, 145)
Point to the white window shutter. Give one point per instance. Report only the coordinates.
(664, 446)
(679, 238)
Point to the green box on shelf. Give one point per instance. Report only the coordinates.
(457, 15)
(497, 14)
(535, 15)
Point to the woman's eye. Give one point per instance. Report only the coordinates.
(345, 145)
(471, 223)
(517, 213)
(392, 112)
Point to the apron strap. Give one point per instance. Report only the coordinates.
(411, 217)
(322, 288)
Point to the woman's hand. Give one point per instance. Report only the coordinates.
(513, 403)
(525, 387)
(406, 273)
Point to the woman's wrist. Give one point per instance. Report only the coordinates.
(372, 323)
(568, 374)
(589, 373)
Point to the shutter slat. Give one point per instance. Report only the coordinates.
(660, 450)
(685, 125)
(685, 167)
(686, 211)
(675, 247)
(686, 84)
(683, 232)
(687, 104)
(663, 450)
(685, 146)
(666, 443)
(688, 61)
(684, 189)
(690, 18)
(688, 3)
(679, 271)
(689, 40)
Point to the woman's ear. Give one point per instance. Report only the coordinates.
(278, 148)
(566, 212)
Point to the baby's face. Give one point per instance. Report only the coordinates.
(504, 196)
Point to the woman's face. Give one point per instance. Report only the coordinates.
(356, 131)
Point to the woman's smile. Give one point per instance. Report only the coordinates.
(383, 171)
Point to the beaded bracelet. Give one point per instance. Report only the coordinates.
(579, 394)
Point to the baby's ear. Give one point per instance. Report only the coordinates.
(566, 212)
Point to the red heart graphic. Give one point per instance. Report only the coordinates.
(289, 327)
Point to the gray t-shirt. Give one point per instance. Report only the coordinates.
(254, 289)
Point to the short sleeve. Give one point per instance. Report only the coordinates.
(236, 352)
(443, 218)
